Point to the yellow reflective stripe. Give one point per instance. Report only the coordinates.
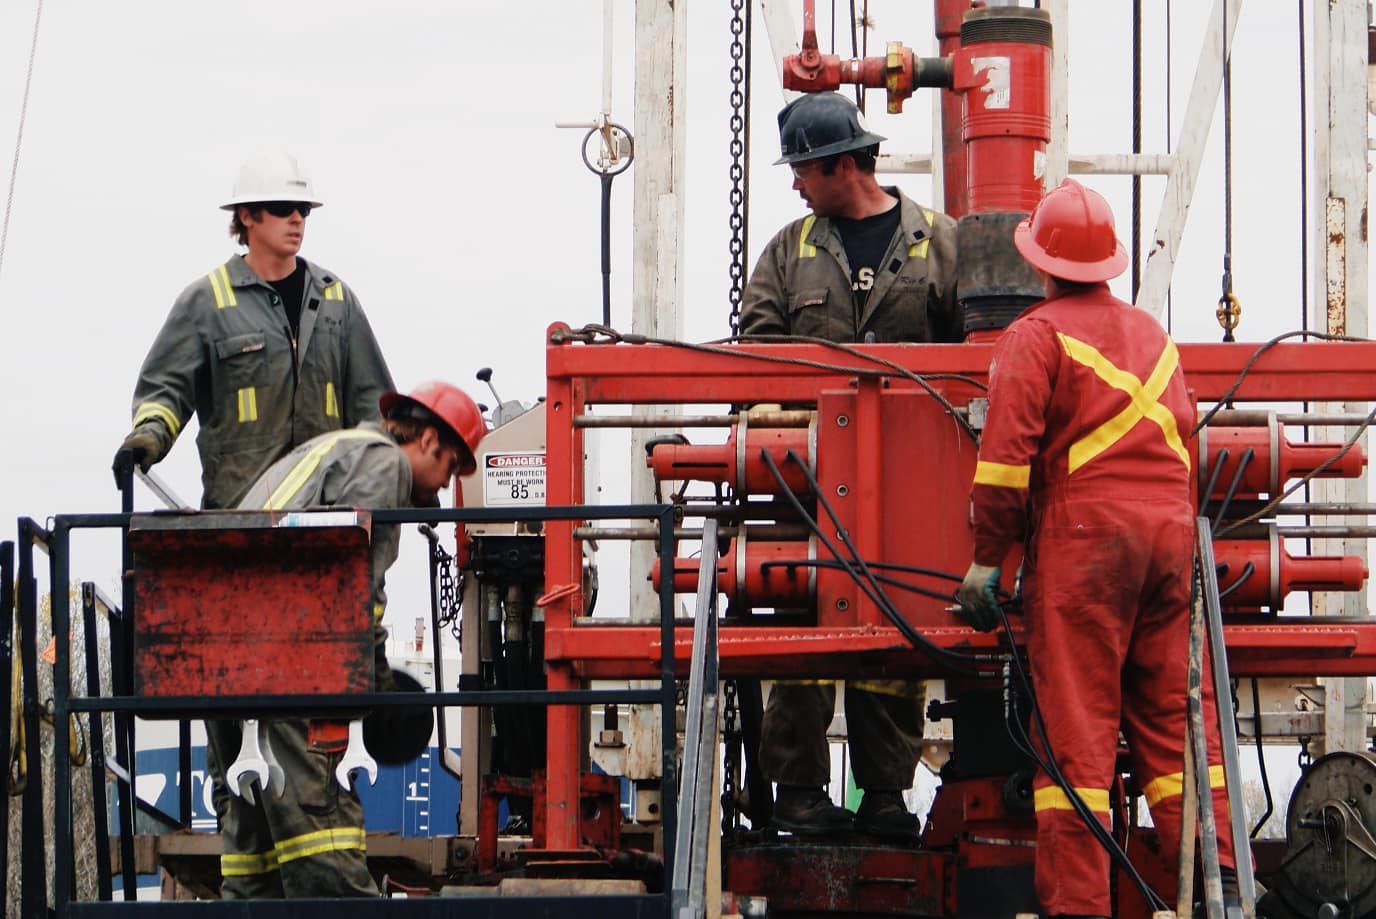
(222, 288)
(1053, 798)
(247, 864)
(248, 404)
(804, 682)
(930, 215)
(334, 839)
(919, 249)
(306, 466)
(161, 412)
(987, 473)
(335, 291)
(1172, 786)
(378, 610)
(331, 402)
(1144, 402)
(899, 689)
(805, 250)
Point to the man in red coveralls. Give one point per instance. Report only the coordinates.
(1089, 418)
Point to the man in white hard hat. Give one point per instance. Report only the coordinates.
(267, 350)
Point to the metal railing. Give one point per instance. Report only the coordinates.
(125, 706)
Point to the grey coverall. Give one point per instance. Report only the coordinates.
(311, 841)
(802, 286)
(226, 354)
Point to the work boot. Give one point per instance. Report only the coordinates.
(807, 811)
(883, 814)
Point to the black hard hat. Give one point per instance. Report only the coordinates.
(398, 734)
(822, 124)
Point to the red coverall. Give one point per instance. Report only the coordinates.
(1089, 413)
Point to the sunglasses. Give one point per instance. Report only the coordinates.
(285, 208)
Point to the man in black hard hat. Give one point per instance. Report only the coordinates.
(868, 264)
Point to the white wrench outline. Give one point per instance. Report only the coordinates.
(250, 760)
(356, 756)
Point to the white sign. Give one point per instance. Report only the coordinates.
(513, 478)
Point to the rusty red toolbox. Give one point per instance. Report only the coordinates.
(251, 603)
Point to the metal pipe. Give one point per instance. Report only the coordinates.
(792, 418)
(1262, 531)
(1241, 418)
(781, 532)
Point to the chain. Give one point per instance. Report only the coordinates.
(740, 152)
(448, 594)
(1305, 758)
(731, 762)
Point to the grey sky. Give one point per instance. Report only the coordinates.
(461, 216)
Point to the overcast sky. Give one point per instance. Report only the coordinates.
(464, 220)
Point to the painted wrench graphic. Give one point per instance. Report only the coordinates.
(355, 757)
(249, 765)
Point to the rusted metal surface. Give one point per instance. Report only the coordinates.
(850, 878)
(250, 604)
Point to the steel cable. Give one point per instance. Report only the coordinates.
(19, 135)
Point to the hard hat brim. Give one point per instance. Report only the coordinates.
(231, 205)
(850, 145)
(1070, 270)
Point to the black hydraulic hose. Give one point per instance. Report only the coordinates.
(949, 659)
(1261, 761)
(1247, 571)
(883, 579)
(886, 606)
(1242, 463)
(1213, 476)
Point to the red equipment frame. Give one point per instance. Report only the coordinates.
(582, 374)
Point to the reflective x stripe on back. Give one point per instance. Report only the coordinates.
(806, 250)
(305, 467)
(221, 287)
(1143, 401)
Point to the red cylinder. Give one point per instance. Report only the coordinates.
(755, 574)
(1004, 71)
(1276, 573)
(740, 463)
(1274, 460)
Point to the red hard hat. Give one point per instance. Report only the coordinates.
(448, 404)
(1070, 235)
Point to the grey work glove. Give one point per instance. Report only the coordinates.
(978, 597)
(146, 447)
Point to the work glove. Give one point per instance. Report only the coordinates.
(146, 447)
(978, 597)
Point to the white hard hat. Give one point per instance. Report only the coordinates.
(271, 177)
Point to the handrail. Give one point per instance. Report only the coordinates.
(1232, 772)
(700, 743)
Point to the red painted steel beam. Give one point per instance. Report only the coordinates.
(1308, 647)
(661, 374)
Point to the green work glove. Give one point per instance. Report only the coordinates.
(146, 447)
(978, 597)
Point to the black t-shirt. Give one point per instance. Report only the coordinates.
(867, 242)
(292, 289)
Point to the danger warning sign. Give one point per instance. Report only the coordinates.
(513, 479)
